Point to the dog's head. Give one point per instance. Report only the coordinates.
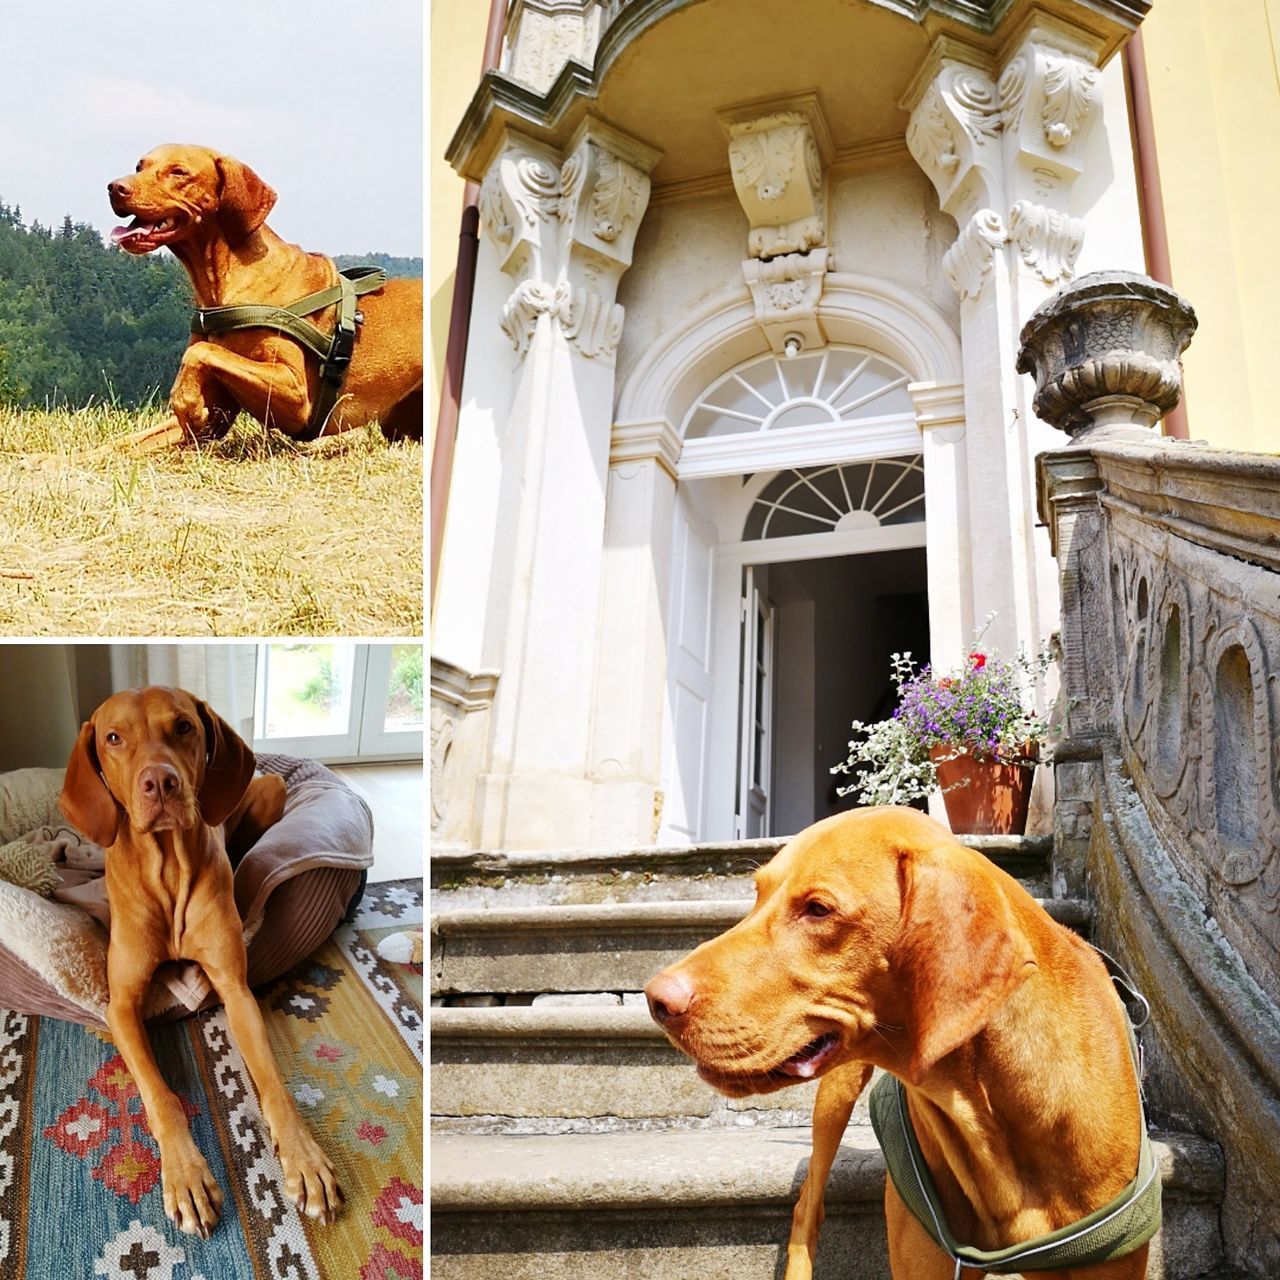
(179, 193)
(875, 936)
(156, 759)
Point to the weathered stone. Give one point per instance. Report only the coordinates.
(578, 999)
(1104, 352)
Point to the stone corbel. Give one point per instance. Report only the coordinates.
(565, 228)
(543, 35)
(786, 291)
(968, 262)
(776, 156)
(954, 135)
(1049, 241)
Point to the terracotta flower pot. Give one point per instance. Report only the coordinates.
(993, 798)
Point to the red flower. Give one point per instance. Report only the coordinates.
(979, 660)
(945, 682)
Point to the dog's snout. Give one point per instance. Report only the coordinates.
(118, 189)
(158, 781)
(669, 996)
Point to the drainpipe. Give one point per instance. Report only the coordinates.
(455, 355)
(1155, 234)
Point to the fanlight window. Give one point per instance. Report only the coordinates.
(836, 384)
(851, 495)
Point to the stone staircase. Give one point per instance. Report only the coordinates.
(570, 1140)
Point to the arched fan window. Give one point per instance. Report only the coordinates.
(834, 385)
(851, 495)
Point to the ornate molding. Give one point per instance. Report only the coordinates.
(1048, 240)
(633, 442)
(969, 261)
(1070, 88)
(543, 35)
(566, 227)
(775, 160)
(786, 291)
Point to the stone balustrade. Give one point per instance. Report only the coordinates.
(1168, 779)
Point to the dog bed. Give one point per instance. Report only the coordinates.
(293, 888)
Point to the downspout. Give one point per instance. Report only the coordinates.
(455, 355)
(1155, 234)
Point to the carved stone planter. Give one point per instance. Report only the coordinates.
(1104, 353)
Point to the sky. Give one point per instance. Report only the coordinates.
(322, 98)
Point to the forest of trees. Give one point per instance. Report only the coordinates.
(82, 323)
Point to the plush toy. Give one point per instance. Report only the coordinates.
(27, 864)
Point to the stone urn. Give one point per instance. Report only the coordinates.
(1104, 353)
(984, 795)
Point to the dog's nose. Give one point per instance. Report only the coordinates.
(158, 781)
(669, 996)
(118, 189)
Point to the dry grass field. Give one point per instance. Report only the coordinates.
(251, 536)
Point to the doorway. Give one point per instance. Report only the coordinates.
(816, 637)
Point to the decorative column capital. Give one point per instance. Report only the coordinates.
(565, 227)
(632, 442)
(1104, 353)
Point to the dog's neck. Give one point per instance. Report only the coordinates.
(163, 862)
(993, 1161)
(261, 269)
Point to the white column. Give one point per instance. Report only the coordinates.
(564, 226)
(631, 658)
(1003, 145)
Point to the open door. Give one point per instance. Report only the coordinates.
(755, 702)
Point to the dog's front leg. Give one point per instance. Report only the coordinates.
(192, 1199)
(838, 1090)
(309, 1179)
(211, 378)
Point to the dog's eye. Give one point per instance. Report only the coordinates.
(138, 167)
(113, 739)
(815, 909)
(183, 726)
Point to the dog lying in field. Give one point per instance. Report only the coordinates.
(210, 211)
(161, 782)
(876, 939)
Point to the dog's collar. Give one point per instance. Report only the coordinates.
(1116, 1229)
(334, 350)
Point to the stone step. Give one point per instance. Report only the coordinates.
(671, 1205)
(558, 1070)
(482, 879)
(607, 947)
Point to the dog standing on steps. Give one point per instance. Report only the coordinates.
(877, 939)
(209, 210)
(153, 778)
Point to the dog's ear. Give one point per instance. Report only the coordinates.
(228, 769)
(959, 954)
(85, 801)
(244, 200)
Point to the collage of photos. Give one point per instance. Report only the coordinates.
(212, 653)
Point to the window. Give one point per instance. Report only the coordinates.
(340, 701)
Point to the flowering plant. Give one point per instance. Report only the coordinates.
(979, 710)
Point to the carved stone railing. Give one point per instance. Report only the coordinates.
(1168, 781)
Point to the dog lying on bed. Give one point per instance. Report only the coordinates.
(876, 939)
(154, 778)
(210, 211)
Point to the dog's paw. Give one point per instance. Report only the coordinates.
(192, 1199)
(309, 1179)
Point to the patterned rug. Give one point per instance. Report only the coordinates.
(80, 1174)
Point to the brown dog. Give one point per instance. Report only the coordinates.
(876, 939)
(210, 212)
(152, 778)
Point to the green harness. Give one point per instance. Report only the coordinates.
(1118, 1228)
(334, 350)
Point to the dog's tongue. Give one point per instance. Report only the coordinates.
(136, 228)
(804, 1065)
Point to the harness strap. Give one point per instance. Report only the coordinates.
(1116, 1229)
(334, 351)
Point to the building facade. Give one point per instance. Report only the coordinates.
(740, 415)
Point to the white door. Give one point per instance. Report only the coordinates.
(755, 701)
(686, 723)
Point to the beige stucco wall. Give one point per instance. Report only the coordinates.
(457, 47)
(1215, 100)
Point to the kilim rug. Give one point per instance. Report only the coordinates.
(80, 1174)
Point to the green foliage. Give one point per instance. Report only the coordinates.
(406, 677)
(321, 689)
(82, 323)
